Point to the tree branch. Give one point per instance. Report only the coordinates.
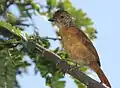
(65, 67)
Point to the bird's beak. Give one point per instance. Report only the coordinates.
(51, 19)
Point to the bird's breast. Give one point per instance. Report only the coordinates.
(74, 46)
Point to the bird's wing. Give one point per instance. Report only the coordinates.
(88, 44)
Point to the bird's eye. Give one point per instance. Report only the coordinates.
(62, 16)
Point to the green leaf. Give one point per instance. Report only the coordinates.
(54, 81)
(83, 69)
(13, 29)
(35, 6)
(7, 70)
(11, 17)
(91, 32)
(51, 3)
(67, 4)
(59, 84)
(58, 76)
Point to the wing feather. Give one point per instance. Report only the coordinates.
(88, 44)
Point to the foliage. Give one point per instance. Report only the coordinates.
(13, 46)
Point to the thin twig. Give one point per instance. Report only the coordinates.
(51, 38)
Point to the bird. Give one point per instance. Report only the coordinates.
(77, 44)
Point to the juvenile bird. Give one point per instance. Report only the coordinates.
(77, 44)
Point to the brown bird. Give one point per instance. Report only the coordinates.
(77, 44)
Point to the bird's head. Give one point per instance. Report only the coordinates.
(62, 19)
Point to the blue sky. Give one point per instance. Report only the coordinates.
(106, 16)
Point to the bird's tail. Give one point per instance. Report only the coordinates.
(100, 74)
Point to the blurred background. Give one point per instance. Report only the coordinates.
(24, 68)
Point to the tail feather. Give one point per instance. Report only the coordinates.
(100, 74)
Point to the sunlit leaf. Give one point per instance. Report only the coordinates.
(51, 3)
